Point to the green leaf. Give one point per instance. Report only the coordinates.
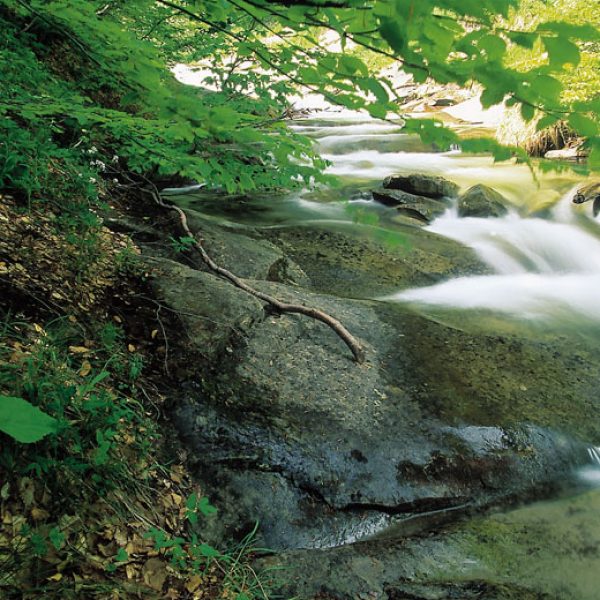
(585, 32)
(491, 96)
(206, 508)
(56, 537)
(121, 555)
(546, 121)
(209, 551)
(494, 46)
(527, 112)
(561, 51)
(523, 38)
(23, 421)
(548, 87)
(377, 111)
(351, 65)
(393, 35)
(583, 125)
(373, 86)
(191, 502)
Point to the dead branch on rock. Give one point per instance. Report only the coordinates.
(282, 307)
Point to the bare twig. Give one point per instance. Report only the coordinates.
(283, 307)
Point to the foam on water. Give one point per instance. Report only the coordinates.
(374, 165)
(543, 268)
(590, 473)
(342, 131)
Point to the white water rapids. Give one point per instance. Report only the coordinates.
(545, 268)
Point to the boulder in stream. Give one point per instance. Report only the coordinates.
(283, 427)
(431, 186)
(418, 207)
(482, 201)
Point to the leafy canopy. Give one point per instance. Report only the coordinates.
(99, 71)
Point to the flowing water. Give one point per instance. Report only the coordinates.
(544, 258)
(547, 265)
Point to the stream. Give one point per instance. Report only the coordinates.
(539, 294)
(545, 255)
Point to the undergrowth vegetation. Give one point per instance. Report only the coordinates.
(97, 508)
(95, 502)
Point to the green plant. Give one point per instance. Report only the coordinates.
(182, 244)
(190, 555)
(23, 421)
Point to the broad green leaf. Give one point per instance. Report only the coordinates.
(546, 121)
(491, 96)
(523, 38)
(191, 502)
(583, 125)
(584, 32)
(373, 86)
(351, 65)
(393, 35)
(561, 51)
(23, 421)
(547, 87)
(206, 508)
(377, 111)
(494, 46)
(527, 112)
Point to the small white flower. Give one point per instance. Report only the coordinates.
(92, 150)
(115, 180)
(115, 159)
(92, 180)
(98, 163)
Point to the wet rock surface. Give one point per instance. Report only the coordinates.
(545, 551)
(421, 184)
(418, 207)
(439, 423)
(339, 260)
(482, 201)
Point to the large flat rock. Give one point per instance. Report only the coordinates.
(440, 422)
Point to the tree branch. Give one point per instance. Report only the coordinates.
(283, 307)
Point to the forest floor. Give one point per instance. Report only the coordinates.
(106, 507)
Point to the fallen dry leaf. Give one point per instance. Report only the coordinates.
(154, 573)
(193, 583)
(39, 514)
(27, 491)
(86, 367)
(78, 349)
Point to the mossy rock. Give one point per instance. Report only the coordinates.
(482, 201)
